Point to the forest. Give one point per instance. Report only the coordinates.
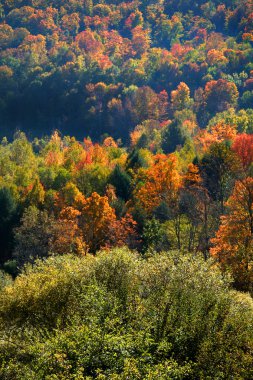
(126, 190)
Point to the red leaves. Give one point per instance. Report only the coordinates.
(243, 146)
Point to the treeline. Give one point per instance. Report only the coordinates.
(59, 196)
(90, 68)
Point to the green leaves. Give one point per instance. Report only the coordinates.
(119, 316)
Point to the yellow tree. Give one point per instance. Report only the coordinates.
(95, 220)
(35, 194)
(233, 243)
(69, 195)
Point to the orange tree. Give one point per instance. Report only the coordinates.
(161, 184)
(95, 220)
(233, 243)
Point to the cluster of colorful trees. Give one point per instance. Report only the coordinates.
(164, 89)
(59, 196)
(90, 68)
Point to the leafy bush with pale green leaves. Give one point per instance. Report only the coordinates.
(120, 316)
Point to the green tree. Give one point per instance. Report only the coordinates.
(8, 219)
(219, 169)
(121, 181)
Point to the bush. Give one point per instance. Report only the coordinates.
(119, 316)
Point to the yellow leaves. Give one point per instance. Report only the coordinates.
(5, 72)
(222, 131)
(96, 216)
(70, 196)
(54, 151)
(36, 194)
(216, 57)
(54, 158)
(218, 133)
(192, 177)
(109, 142)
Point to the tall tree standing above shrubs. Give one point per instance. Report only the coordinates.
(219, 168)
(161, 185)
(243, 146)
(96, 216)
(233, 243)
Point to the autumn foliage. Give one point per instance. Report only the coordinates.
(158, 95)
(162, 184)
(233, 244)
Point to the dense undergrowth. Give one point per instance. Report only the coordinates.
(121, 316)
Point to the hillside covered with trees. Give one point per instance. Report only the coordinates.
(91, 67)
(169, 308)
(126, 190)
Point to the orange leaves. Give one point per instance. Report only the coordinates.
(135, 136)
(104, 62)
(233, 243)
(109, 143)
(135, 19)
(218, 133)
(179, 51)
(223, 132)
(75, 156)
(71, 22)
(96, 217)
(192, 177)
(216, 57)
(161, 185)
(88, 224)
(93, 153)
(5, 72)
(53, 158)
(66, 237)
(91, 43)
(247, 37)
(140, 40)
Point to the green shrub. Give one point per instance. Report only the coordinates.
(119, 316)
